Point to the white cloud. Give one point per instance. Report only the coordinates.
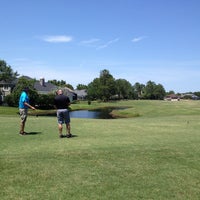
(94, 42)
(57, 38)
(97, 43)
(108, 43)
(138, 39)
(91, 41)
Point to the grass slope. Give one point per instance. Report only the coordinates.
(154, 156)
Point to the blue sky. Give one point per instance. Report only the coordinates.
(73, 40)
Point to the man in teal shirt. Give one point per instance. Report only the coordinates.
(23, 109)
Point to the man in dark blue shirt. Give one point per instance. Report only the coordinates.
(62, 103)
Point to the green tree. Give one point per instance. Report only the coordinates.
(123, 89)
(45, 101)
(13, 98)
(197, 94)
(103, 87)
(149, 90)
(170, 92)
(81, 87)
(94, 89)
(138, 90)
(159, 92)
(61, 83)
(57, 82)
(107, 85)
(6, 72)
(153, 91)
(69, 86)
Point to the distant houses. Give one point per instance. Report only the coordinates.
(41, 87)
(81, 94)
(6, 89)
(70, 93)
(190, 96)
(172, 97)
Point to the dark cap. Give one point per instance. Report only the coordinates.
(26, 89)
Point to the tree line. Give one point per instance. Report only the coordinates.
(105, 88)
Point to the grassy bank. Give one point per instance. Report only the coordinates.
(153, 156)
(141, 108)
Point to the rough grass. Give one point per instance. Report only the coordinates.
(154, 156)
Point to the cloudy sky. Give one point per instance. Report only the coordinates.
(73, 40)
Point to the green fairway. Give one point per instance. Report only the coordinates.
(155, 155)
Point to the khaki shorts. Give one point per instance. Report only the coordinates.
(23, 114)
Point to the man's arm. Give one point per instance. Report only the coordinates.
(25, 103)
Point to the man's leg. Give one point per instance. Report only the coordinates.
(68, 130)
(60, 127)
(23, 116)
(67, 122)
(60, 122)
(22, 127)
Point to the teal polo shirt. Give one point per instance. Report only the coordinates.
(23, 98)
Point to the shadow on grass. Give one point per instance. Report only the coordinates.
(64, 136)
(33, 133)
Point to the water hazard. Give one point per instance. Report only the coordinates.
(103, 113)
(93, 114)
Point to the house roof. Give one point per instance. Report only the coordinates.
(81, 93)
(2, 82)
(172, 96)
(46, 87)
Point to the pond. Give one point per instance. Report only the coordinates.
(103, 113)
(93, 114)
